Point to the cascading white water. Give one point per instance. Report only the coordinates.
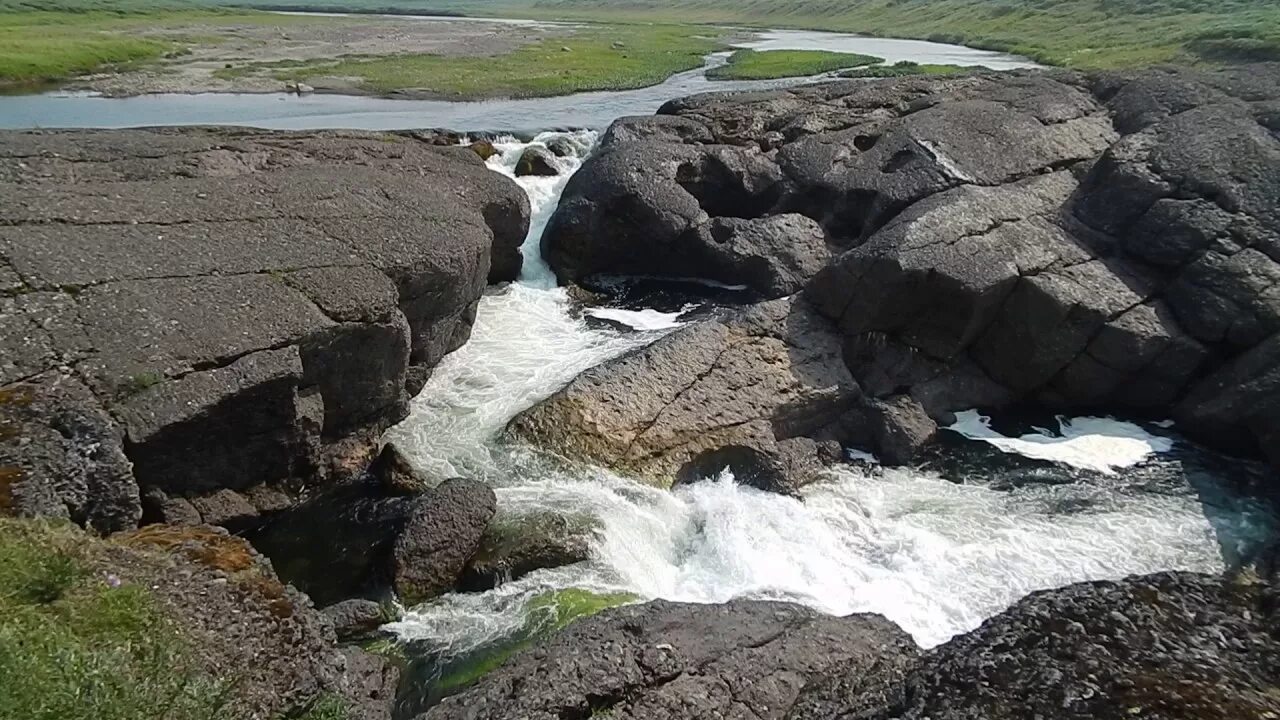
(935, 556)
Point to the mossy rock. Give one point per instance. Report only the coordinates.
(513, 547)
(484, 149)
(430, 680)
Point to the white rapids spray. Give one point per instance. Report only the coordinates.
(935, 556)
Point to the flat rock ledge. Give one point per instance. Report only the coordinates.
(188, 313)
(1170, 646)
(1081, 243)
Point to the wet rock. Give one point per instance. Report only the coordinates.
(1106, 650)
(392, 472)
(356, 618)
(895, 430)
(672, 660)
(538, 162)
(748, 380)
(483, 148)
(440, 535)
(513, 547)
(242, 309)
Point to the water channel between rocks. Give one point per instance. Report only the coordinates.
(936, 551)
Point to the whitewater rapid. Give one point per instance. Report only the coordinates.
(932, 554)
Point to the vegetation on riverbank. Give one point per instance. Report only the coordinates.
(773, 64)
(595, 58)
(1074, 33)
(77, 644)
(906, 67)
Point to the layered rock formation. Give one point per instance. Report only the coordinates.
(1074, 242)
(191, 312)
(1173, 646)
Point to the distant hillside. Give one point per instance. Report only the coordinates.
(1077, 33)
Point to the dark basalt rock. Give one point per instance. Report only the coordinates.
(355, 619)
(537, 162)
(358, 541)
(672, 660)
(1045, 238)
(1173, 646)
(227, 309)
(440, 535)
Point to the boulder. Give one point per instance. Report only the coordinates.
(1175, 646)
(646, 206)
(674, 660)
(360, 541)
(514, 546)
(356, 619)
(538, 162)
(441, 534)
(202, 310)
(747, 380)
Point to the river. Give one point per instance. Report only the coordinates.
(284, 111)
(936, 551)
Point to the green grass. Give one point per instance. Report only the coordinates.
(1075, 33)
(43, 47)
(596, 58)
(906, 67)
(72, 647)
(773, 64)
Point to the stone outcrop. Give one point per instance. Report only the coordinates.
(226, 310)
(1171, 646)
(278, 654)
(734, 392)
(1106, 242)
(672, 660)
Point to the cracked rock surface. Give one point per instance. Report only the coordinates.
(1089, 243)
(1166, 646)
(225, 309)
(669, 661)
(746, 383)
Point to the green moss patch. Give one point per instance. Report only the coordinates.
(773, 64)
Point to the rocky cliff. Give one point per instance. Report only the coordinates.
(199, 324)
(1079, 243)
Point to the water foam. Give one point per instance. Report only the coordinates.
(1091, 443)
(935, 556)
